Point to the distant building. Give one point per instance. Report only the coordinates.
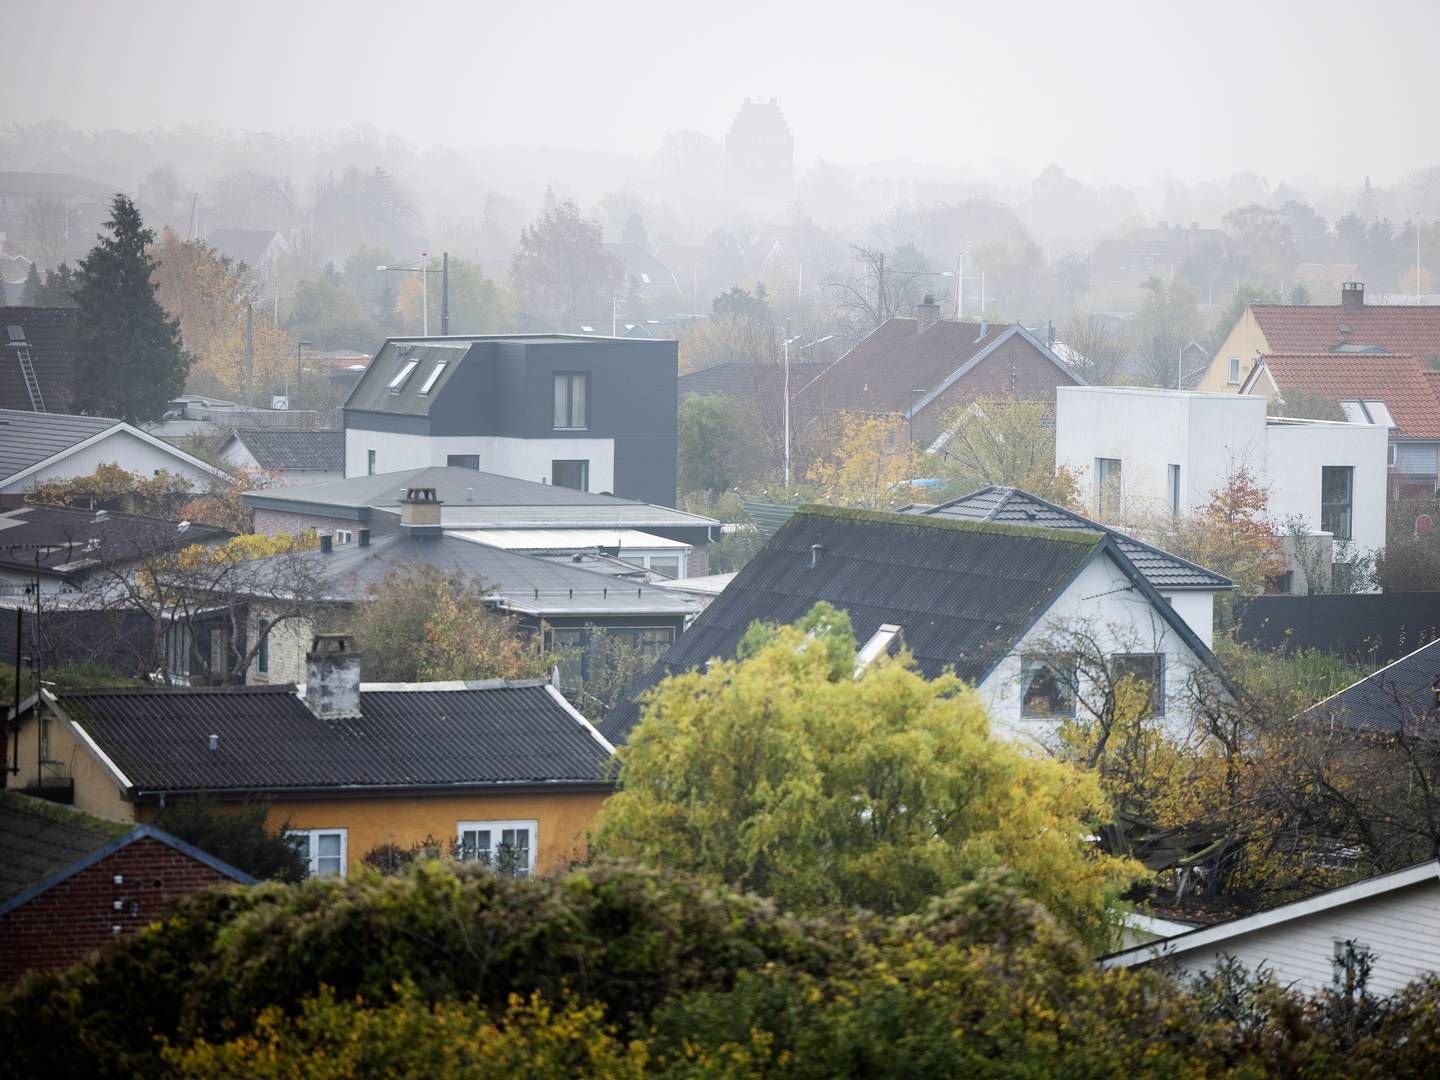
(259, 249)
(1120, 265)
(52, 217)
(760, 157)
(293, 457)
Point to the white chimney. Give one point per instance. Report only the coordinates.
(332, 677)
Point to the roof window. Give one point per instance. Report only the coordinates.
(1368, 412)
(404, 373)
(435, 374)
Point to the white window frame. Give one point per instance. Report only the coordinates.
(312, 849)
(1234, 371)
(343, 536)
(435, 374)
(403, 376)
(498, 827)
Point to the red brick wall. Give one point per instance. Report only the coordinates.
(275, 522)
(76, 917)
(1015, 369)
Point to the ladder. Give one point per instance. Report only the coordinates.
(32, 384)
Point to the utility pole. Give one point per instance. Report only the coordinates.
(424, 296)
(249, 354)
(444, 293)
(787, 404)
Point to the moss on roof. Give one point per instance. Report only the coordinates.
(992, 528)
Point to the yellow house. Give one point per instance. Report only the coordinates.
(506, 772)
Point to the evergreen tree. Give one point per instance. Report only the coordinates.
(60, 286)
(33, 294)
(129, 361)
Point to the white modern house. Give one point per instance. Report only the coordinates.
(1140, 453)
(1393, 920)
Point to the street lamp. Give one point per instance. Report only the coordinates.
(422, 270)
(300, 347)
(802, 348)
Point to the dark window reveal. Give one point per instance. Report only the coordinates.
(570, 474)
(1045, 693)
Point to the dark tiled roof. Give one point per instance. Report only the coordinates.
(47, 333)
(70, 541)
(1399, 381)
(745, 380)
(37, 838)
(1398, 697)
(295, 450)
(1396, 328)
(1015, 507)
(962, 591)
(449, 735)
(27, 438)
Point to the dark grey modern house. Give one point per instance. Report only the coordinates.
(594, 414)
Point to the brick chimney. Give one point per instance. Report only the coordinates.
(420, 512)
(927, 313)
(332, 677)
(1352, 296)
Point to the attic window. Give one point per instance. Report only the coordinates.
(404, 373)
(1368, 412)
(434, 375)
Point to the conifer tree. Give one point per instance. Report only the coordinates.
(33, 293)
(129, 362)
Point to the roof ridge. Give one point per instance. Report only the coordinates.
(1067, 536)
(174, 691)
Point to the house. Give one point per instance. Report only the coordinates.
(487, 503)
(346, 766)
(646, 277)
(1394, 392)
(1351, 326)
(565, 598)
(593, 414)
(70, 881)
(983, 598)
(52, 217)
(259, 249)
(292, 457)
(39, 447)
(1319, 943)
(1120, 265)
(1141, 452)
(1186, 587)
(36, 359)
(920, 369)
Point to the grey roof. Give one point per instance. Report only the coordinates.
(1403, 696)
(524, 583)
(1016, 507)
(37, 838)
(70, 541)
(46, 332)
(748, 380)
(479, 497)
(294, 450)
(423, 735)
(53, 185)
(243, 245)
(27, 438)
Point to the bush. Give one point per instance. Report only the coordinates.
(236, 835)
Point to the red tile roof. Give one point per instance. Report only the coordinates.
(1406, 385)
(1396, 328)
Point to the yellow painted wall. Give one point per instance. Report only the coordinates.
(1245, 340)
(96, 792)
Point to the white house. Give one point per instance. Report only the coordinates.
(1141, 452)
(1311, 944)
(291, 457)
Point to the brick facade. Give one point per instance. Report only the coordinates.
(66, 923)
(1015, 369)
(276, 522)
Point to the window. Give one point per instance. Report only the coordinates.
(1172, 489)
(369, 462)
(435, 374)
(463, 461)
(1044, 692)
(262, 656)
(398, 382)
(1147, 669)
(1107, 486)
(322, 849)
(177, 649)
(1337, 493)
(667, 565)
(572, 401)
(1280, 584)
(509, 846)
(343, 536)
(1234, 370)
(570, 474)
(1351, 967)
(1367, 412)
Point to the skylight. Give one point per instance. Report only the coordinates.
(1354, 412)
(404, 373)
(1368, 412)
(1379, 414)
(430, 382)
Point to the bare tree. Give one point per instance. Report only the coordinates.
(874, 292)
(1097, 349)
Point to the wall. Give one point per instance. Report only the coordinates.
(1101, 600)
(1296, 454)
(525, 459)
(118, 448)
(1197, 608)
(66, 923)
(289, 642)
(283, 522)
(96, 791)
(1402, 928)
(1245, 341)
(1014, 369)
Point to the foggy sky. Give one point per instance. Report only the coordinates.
(1110, 90)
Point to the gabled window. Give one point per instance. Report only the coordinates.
(435, 374)
(508, 846)
(402, 375)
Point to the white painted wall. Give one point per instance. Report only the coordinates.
(525, 459)
(119, 447)
(1197, 608)
(1297, 451)
(1102, 598)
(1401, 928)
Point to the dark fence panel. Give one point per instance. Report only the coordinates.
(1370, 628)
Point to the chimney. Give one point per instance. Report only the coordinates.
(363, 538)
(332, 677)
(420, 512)
(927, 313)
(327, 543)
(1352, 296)
(817, 552)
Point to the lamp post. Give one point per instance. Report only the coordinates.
(422, 270)
(300, 347)
(802, 348)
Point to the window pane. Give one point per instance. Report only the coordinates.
(430, 382)
(570, 474)
(579, 403)
(1336, 490)
(669, 565)
(463, 461)
(329, 846)
(1044, 694)
(1354, 412)
(562, 401)
(1148, 669)
(404, 373)
(475, 845)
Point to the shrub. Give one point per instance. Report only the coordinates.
(235, 835)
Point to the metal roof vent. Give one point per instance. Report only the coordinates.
(817, 552)
(214, 743)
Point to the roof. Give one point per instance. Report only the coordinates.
(43, 844)
(30, 439)
(244, 245)
(1311, 328)
(746, 379)
(1401, 381)
(883, 371)
(70, 541)
(572, 539)
(52, 185)
(422, 735)
(293, 450)
(47, 334)
(475, 498)
(1217, 934)
(1400, 698)
(1015, 507)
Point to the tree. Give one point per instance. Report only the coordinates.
(478, 305)
(129, 361)
(237, 836)
(560, 272)
(716, 444)
(1299, 295)
(1006, 442)
(1167, 320)
(787, 773)
(1245, 294)
(870, 464)
(418, 624)
(60, 286)
(1098, 349)
(1231, 534)
(634, 230)
(363, 208)
(329, 315)
(875, 292)
(33, 293)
